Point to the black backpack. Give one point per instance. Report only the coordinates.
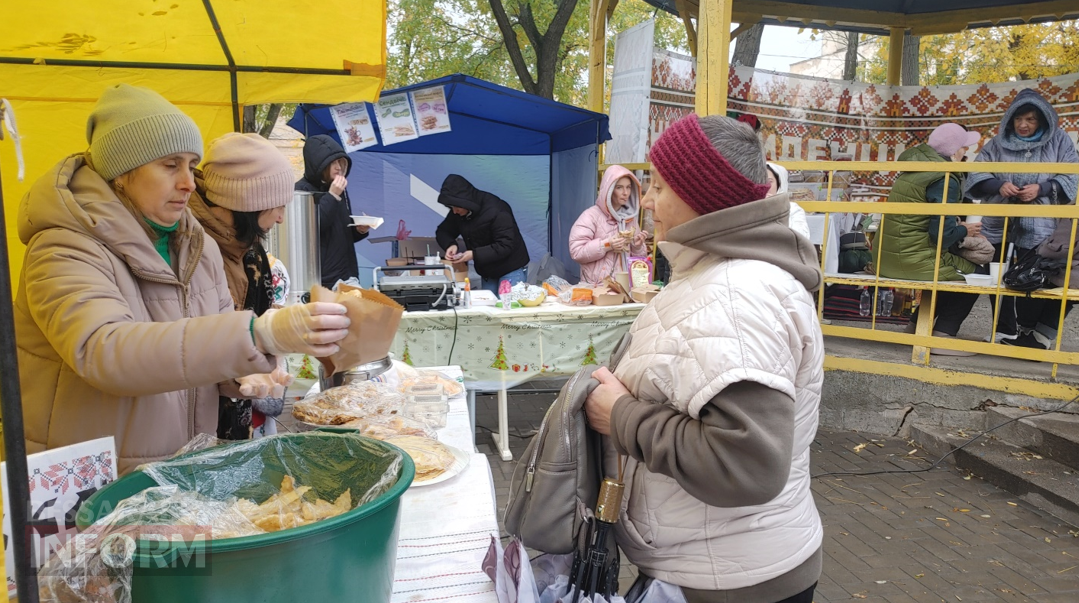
(1032, 272)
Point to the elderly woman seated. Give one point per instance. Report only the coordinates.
(907, 244)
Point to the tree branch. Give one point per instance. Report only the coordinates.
(528, 24)
(271, 120)
(509, 39)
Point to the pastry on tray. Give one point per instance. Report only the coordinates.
(432, 458)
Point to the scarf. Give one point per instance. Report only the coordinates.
(232, 250)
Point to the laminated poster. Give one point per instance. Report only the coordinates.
(395, 119)
(431, 113)
(61, 480)
(354, 126)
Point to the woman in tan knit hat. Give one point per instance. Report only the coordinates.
(240, 193)
(123, 317)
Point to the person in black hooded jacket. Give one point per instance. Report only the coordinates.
(326, 165)
(486, 224)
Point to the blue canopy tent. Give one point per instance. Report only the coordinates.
(539, 155)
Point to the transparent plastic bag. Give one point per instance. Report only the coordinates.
(96, 566)
(452, 387)
(255, 469)
(382, 427)
(558, 283)
(226, 491)
(354, 400)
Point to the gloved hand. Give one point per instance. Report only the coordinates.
(271, 385)
(311, 329)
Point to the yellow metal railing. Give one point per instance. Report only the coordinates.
(922, 340)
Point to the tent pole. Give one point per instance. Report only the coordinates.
(18, 486)
(232, 65)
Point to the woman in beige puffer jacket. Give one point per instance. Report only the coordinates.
(123, 319)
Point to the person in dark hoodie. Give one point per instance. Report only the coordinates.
(1029, 133)
(714, 404)
(485, 222)
(326, 167)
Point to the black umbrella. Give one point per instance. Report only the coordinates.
(595, 568)
(18, 491)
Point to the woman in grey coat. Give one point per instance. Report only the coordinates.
(1029, 133)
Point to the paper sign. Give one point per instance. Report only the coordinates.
(395, 119)
(432, 114)
(60, 481)
(354, 126)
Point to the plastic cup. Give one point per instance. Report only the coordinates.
(973, 220)
(996, 269)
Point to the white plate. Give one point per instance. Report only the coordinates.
(460, 463)
(371, 221)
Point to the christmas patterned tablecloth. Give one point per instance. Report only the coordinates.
(498, 349)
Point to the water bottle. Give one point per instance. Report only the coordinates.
(886, 302)
(865, 305)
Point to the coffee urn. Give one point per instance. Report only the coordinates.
(295, 243)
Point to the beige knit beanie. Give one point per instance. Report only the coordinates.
(245, 172)
(132, 126)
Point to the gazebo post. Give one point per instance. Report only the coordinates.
(713, 62)
(895, 56)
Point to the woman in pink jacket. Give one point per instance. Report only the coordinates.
(595, 241)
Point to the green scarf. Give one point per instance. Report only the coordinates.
(161, 240)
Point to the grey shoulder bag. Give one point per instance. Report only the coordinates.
(561, 469)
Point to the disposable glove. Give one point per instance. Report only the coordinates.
(265, 385)
(311, 329)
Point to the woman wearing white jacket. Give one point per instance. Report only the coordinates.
(714, 403)
(778, 181)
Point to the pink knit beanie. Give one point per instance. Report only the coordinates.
(245, 172)
(697, 172)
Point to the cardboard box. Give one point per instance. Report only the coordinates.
(460, 270)
(643, 295)
(606, 298)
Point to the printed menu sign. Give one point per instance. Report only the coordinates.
(432, 114)
(354, 126)
(395, 119)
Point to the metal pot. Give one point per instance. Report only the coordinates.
(363, 372)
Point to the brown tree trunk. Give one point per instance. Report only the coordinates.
(271, 120)
(547, 45)
(850, 60)
(747, 46)
(250, 118)
(911, 67)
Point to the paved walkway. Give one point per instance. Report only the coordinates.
(928, 537)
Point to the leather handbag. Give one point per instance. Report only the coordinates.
(560, 471)
(1032, 272)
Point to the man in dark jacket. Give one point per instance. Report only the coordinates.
(486, 224)
(325, 167)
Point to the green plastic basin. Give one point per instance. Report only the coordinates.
(345, 558)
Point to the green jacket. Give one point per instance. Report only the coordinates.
(904, 248)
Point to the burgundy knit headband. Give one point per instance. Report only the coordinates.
(697, 172)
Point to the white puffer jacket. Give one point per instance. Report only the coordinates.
(721, 321)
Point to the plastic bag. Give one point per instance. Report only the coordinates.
(556, 285)
(97, 565)
(200, 496)
(355, 400)
(383, 427)
(452, 387)
(254, 469)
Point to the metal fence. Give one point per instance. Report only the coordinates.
(922, 340)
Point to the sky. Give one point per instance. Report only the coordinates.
(781, 46)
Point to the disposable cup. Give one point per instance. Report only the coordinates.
(995, 270)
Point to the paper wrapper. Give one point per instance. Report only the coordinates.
(374, 317)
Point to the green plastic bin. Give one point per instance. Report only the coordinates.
(345, 558)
